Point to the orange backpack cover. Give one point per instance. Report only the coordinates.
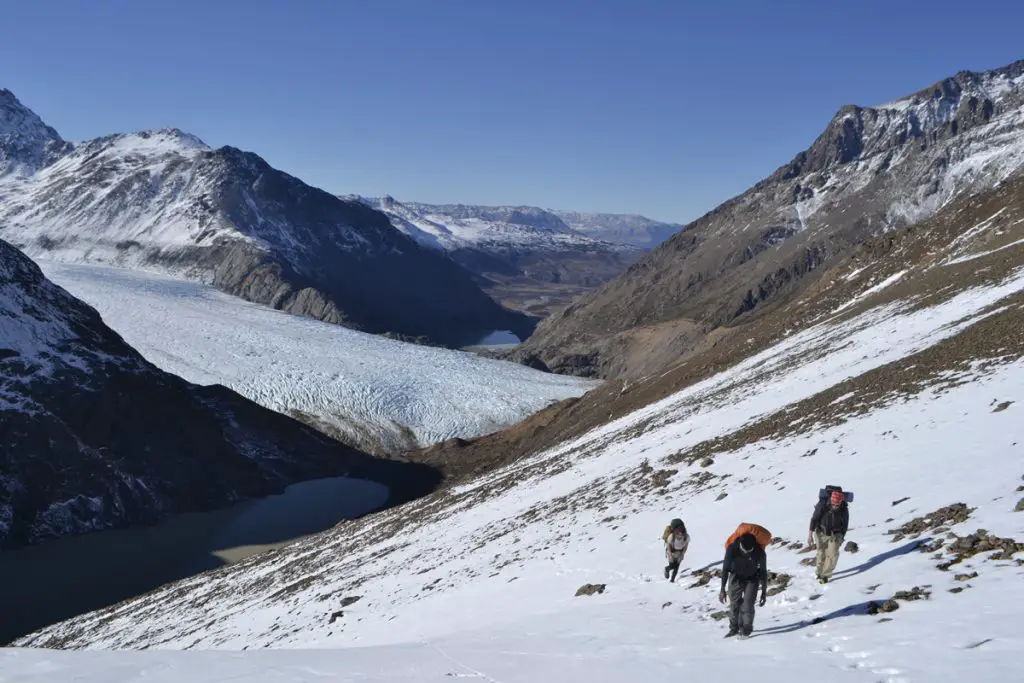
(763, 536)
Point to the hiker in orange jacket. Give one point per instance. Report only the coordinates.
(744, 568)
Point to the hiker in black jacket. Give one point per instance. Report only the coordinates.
(746, 565)
(829, 524)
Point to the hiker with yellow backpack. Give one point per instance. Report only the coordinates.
(744, 569)
(676, 542)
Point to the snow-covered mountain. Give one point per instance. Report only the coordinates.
(26, 143)
(619, 228)
(896, 376)
(527, 257)
(162, 200)
(457, 226)
(95, 437)
(872, 170)
(380, 395)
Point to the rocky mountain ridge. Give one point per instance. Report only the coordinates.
(872, 171)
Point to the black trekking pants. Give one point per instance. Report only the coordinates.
(742, 596)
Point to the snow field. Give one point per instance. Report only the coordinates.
(374, 390)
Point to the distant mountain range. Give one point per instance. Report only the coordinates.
(530, 258)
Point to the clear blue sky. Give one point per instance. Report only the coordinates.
(661, 108)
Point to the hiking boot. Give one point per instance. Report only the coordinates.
(745, 633)
(666, 572)
(732, 632)
(823, 580)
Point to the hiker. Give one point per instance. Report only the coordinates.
(829, 523)
(744, 568)
(676, 542)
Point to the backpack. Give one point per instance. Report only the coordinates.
(826, 493)
(762, 535)
(674, 524)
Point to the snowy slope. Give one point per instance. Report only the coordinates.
(383, 395)
(479, 581)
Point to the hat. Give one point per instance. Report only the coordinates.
(747, 543)
(838, 498)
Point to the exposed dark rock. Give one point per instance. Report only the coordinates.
(916, 593)
(707, 462)
(966, 577)
(982, 542)
(1002, 406)
(777, 583)
(705, 577)
(590, 589)
(350, 600)
(883, 607)
(335, 616)
(945, 516)
(718, 616)
(1020, 506)
(721, 496)
(852, 547)
(901, 500)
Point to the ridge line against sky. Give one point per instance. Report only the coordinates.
(648, 107)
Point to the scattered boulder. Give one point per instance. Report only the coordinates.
(704, 577)
(590, 589)
(880, 607)
(718, 616)
(1002, 406)
(721, 496)
(884, 619)
(778, 583)
(945, 516)
(807, 561)
(982, 542)
(966, 577)
(707, 462)
(666, 604)
(335, 616)
(1020, 506)
(851, 547)
(915, 593)
(901, 500)
(350, 600)
(958, 589)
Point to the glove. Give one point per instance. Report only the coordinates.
(721, 597)
(810, 540)
(763, 600)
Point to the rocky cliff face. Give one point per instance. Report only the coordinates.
(871, 171)
(164, 200)
(95, 437)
